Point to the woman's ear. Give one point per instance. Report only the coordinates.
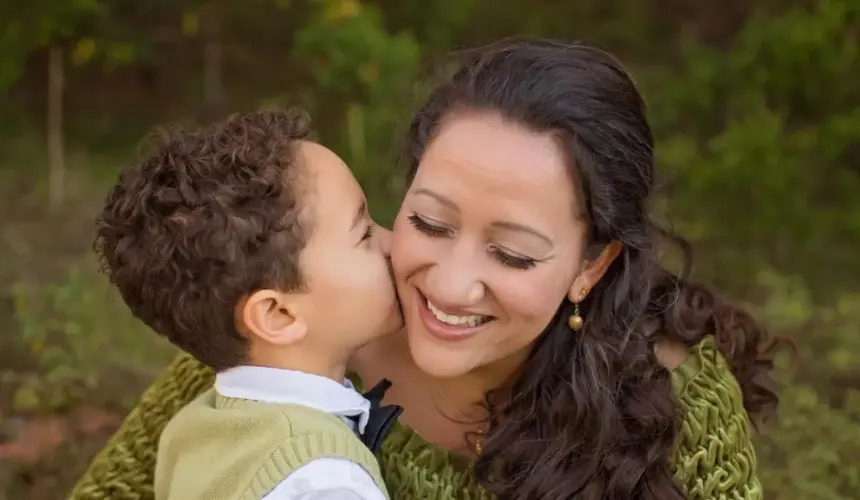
(269, 316)
(592, 271)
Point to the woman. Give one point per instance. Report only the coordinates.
(547, 355)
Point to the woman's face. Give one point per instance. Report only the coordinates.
(486, 245)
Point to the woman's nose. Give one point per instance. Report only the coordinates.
(455, 280)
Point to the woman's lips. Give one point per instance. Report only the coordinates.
(444, 331)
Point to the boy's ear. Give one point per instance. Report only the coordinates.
(268, 315)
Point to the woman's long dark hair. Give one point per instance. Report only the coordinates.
(592, 414)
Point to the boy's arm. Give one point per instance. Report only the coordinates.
(328, 479)
(125, 467)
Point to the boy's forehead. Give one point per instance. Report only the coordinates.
(325, 169)
(333, 188)
(318, 159)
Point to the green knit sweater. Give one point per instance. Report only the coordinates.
(220, 448)
(714, 459)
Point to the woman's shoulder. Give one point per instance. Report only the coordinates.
(715, 457)
(704, 378)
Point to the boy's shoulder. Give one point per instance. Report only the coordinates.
(211, 415)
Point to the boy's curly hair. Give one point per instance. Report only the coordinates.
(205, 218)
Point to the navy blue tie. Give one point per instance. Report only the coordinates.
(381, 418)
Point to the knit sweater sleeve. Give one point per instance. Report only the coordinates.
(124, 469)
(715, 458)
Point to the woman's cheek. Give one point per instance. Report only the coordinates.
(530, 299)
(408, 251)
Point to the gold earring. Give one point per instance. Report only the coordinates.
(575, 321)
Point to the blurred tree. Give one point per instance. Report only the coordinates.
(30, 26)
(760, 147)
(362, 76)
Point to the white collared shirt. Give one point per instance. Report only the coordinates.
(323, 478)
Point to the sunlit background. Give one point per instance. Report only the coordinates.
(755, 103)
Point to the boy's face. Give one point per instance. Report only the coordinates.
(350, 298)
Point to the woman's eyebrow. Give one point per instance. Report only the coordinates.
(513, 226)
(438, 197)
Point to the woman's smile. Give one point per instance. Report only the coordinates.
(446, 326)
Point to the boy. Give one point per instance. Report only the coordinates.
(251, 248)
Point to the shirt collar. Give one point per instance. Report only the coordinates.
(275, 385)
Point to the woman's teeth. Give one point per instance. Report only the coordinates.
(450, 319)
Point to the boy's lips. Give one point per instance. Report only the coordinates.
(397, 302)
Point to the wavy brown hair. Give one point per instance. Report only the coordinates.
(592, 415)
(205, 217)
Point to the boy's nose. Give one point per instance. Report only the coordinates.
(384, 239)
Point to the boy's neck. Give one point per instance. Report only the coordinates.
(302, 360)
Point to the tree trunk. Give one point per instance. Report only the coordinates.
(56, 155)
(213, 91)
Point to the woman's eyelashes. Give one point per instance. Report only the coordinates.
(505, 258)
(425, 227)
(513, 261)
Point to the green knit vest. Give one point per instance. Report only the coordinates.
(220, 448)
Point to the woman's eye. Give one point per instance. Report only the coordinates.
(503, 257)
(514, 262)
(427, 228)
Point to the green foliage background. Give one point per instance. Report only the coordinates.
(756, 106)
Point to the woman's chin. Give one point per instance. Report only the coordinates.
(440, 361)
